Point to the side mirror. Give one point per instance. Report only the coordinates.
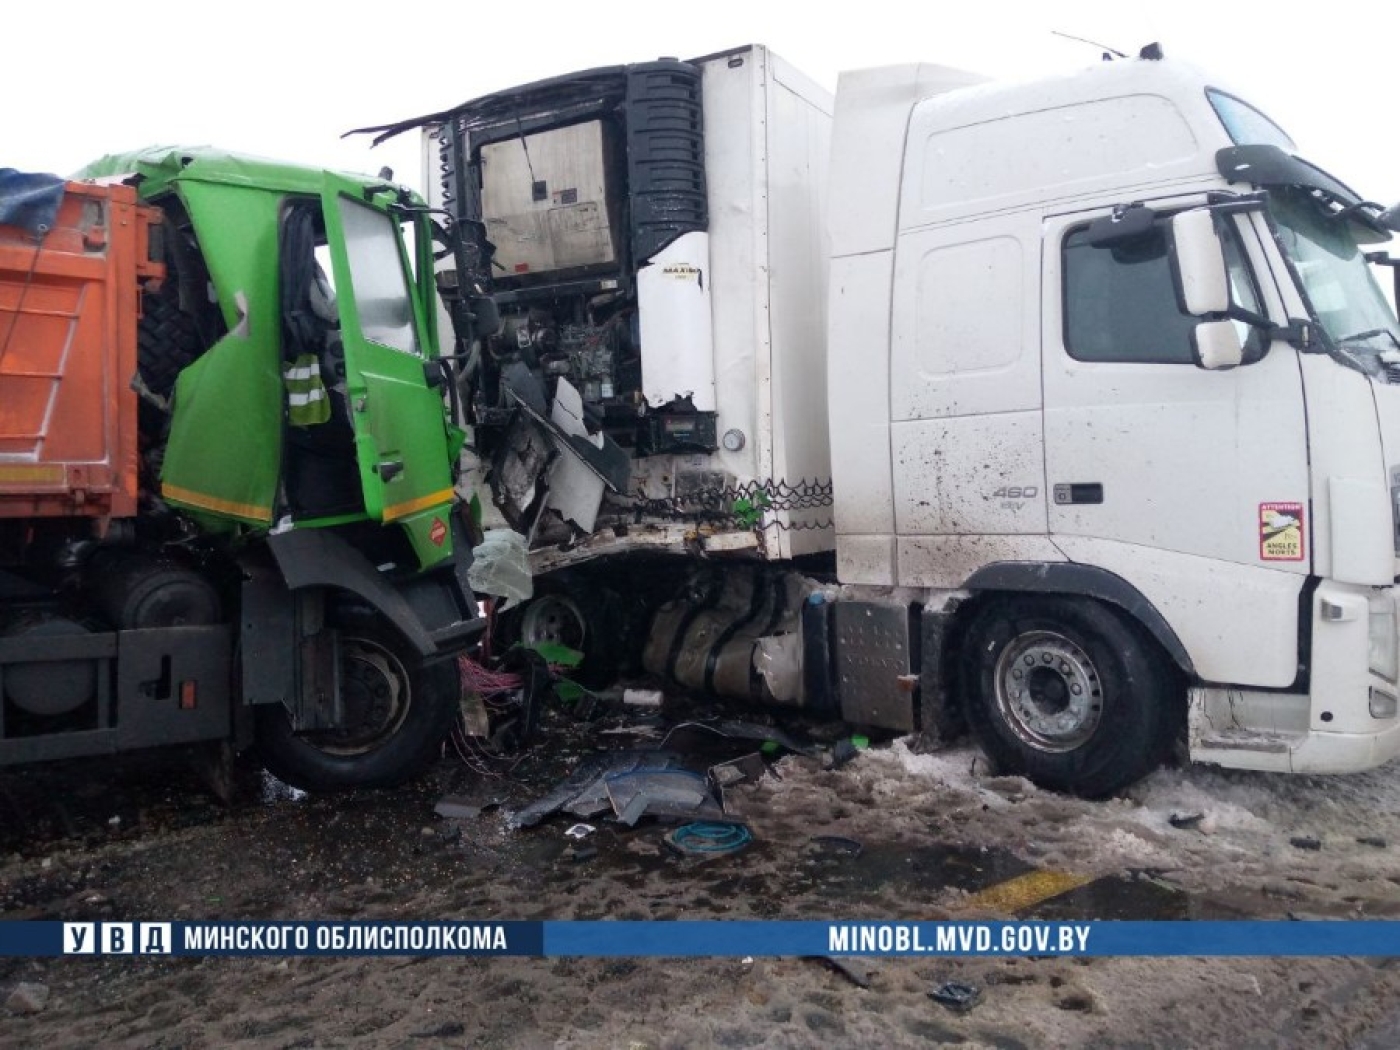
(1198, 264)
(1216, 345)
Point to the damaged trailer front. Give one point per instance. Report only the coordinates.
(636, 397)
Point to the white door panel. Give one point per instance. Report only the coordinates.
(969, 476)
(964, 339)
(1185, 459)
(966, 431)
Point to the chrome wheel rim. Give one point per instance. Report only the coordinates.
(1048, 691)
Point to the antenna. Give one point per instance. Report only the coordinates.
(1102, 47)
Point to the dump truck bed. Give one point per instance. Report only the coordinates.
(69, 307)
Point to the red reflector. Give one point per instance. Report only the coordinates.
(189, 695)
(522, 267)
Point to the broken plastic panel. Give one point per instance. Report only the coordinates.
(501, 566)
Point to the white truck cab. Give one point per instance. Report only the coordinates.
(1121, 374)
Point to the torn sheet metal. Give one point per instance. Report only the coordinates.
(584, 793)
(608, 460)
(728, 775)
(662, 793)
(575, 489)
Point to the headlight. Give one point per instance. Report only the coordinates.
(1382, 641)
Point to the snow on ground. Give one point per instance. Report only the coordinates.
(1245, 838)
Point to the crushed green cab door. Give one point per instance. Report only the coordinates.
(401, 437)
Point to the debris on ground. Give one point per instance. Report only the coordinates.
(580, 831)
(1185, 820)
(956, 996)
(579, 853)
(642, 697)
(456, 807)
(584, 792)
(743, 770)
(1305, 842)
(843, 752)
(27, 998)
(854, 970)
(1371, 840)
(709, 839)
(661, 793)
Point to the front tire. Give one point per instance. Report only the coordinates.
(1067, 693)
(576, 612)
(398, 711)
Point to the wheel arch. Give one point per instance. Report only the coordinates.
(1067, 579)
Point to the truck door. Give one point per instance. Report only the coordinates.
(965, 397)
(400, 433)
(1186, 482)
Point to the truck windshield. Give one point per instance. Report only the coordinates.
(1339, 282)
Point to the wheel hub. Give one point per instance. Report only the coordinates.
(555, 619)
(1048, 691)
(376, 693)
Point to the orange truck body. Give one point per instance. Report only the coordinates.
(69, 306)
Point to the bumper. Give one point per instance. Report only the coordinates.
(1345, 724)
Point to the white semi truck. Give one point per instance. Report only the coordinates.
(1067, 408)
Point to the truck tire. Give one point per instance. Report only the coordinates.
(167, 341)
(568, 610)
(399, 711)
(1067, 693)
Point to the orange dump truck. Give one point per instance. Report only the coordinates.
(68, 310)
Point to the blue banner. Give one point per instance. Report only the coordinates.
(701, 938)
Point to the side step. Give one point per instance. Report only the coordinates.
(1245, 740)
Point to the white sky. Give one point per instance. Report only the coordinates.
(81, 78)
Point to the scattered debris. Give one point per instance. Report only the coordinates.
(1372, 840)
(27, 998)
(1185, 820)
(584, 792)
(1305, 842)
(956, 996)
(742, 770)
(661, 792)
(580, 831)
(842, 753)
(839, 845)
(852, 969)
(455, 807)
(709, 839)
(642, 697)
(578, 854)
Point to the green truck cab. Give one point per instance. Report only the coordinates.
(295, 573)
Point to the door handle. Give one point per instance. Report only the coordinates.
(1079, 492)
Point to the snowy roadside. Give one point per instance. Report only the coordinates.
(1331, 840)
